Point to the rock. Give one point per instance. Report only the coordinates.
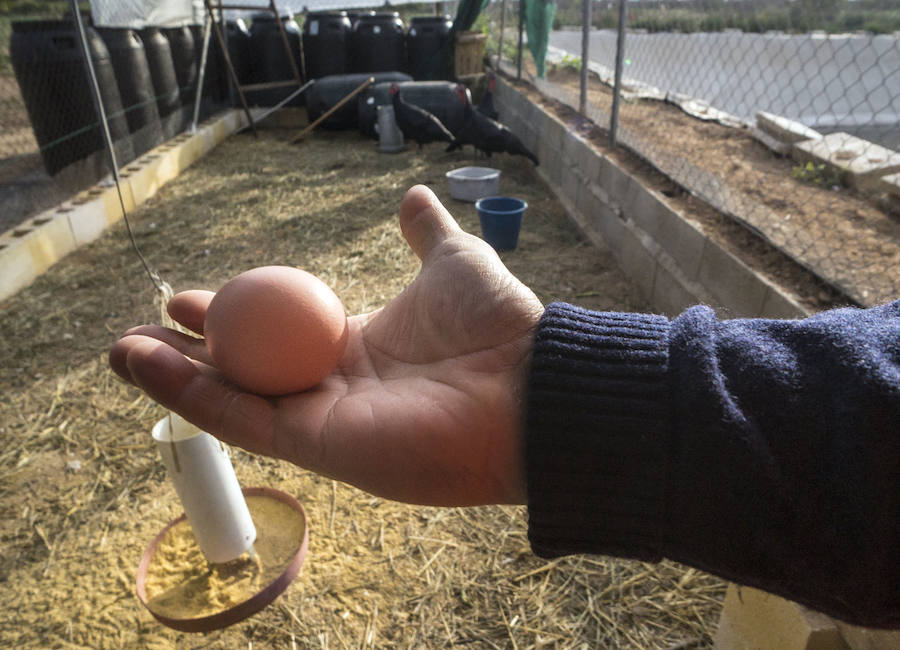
(861, 162)
(783, 129)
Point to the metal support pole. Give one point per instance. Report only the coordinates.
(232, 91)
(620, 52)
(107, 138)
(207, 27)
(585, 52)
(521, 28)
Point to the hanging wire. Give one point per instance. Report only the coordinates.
(163, 289)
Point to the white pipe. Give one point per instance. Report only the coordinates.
(204, 479)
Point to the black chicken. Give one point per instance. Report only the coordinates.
(485, 134)
(486, 105)
(416, 123)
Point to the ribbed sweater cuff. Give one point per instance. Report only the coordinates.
(597, 433)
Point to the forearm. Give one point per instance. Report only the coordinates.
(766, 452)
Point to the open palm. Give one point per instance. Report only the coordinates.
(425, 405)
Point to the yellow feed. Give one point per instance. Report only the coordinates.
(181, 584)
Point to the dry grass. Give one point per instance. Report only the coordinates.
(82, 491)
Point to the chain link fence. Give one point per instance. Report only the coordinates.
(20, 163)
(792, 133)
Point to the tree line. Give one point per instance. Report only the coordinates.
(797, 16)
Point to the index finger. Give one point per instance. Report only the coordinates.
(189, 308)
(198, 393)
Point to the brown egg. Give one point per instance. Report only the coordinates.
(275, 330)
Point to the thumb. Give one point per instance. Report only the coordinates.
(424, 221)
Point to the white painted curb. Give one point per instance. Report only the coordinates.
(34, 246)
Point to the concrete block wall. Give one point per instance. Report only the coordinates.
(34, 246)
(672, 262)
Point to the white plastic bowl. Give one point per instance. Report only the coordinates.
(472, 183)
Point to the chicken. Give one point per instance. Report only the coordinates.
(486, 105)
(485, 134)
(416, 123)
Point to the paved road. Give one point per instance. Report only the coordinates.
(829, 83)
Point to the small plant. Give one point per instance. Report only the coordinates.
(567, 62)
(510, 49)
(814, 174)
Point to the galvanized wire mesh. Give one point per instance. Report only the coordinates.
(51, 143)
(23, 181)
(824, 109)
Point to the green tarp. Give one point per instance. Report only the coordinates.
(538, 23)
(466, 14)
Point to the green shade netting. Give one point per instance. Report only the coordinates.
(538, 23)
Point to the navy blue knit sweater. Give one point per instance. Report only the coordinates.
(764, 451)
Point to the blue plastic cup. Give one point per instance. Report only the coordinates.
(501, 220)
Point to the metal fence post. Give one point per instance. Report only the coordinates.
(198, 96)
(585, 52)
(620, 51)
(521, 28)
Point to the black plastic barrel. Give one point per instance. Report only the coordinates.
(184, 56)
(326, 44)
(328, 91)
(355, 15)
(135, 83)
(165, 81)
(238, 37)
(436, 97)
(269, 61)
(378, 43)
(428, 48)
(46, 58)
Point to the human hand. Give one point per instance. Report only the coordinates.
(426, 404)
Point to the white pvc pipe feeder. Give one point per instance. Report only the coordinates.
(205, 481)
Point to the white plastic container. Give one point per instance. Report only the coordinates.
(472, 183)
(390, 138)
(204, 479)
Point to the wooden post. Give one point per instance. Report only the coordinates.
(284, 40)
(220, 39)
(325, 116)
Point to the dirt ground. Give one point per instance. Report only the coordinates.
(82, 490)
(840, 234)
